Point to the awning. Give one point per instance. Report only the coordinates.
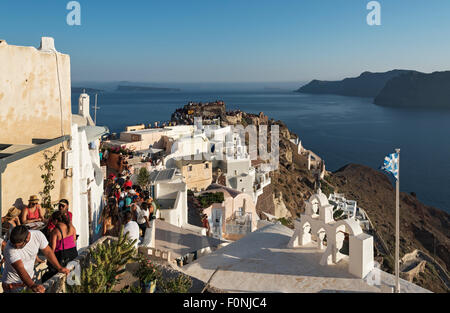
(150, 151)
(94, 132)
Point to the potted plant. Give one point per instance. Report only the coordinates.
(148, 275)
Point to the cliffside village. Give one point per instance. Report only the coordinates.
(204, 217)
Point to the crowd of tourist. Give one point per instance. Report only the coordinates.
(125, 201)
(29, 231)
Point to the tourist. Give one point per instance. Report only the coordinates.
(33, 212)
(121, 180)
(127, 204)
(143, 219)
(137, 188)
(132, 228)
(117, 192)
(128, 182)
(20, 254)
(63, 242)
(109, 188)
(63, 206)
(205, 224)
(134, 207)
(11, 219)
(111, 221)
(151, 208)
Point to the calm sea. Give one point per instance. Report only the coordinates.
(340, 129)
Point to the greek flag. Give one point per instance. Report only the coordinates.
(391, 164)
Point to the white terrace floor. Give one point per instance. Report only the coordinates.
(180, 241)
(261, 262)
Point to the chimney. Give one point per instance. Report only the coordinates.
(47, 44)
(83, 105)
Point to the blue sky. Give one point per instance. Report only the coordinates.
(234, 40)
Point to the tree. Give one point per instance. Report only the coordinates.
(143, 178)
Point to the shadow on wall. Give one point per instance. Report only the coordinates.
(19, 203)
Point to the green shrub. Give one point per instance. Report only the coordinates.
(326, 188)
(147, 271)
(338, 215)
(103, 264)
(180, 284)
(285, 221)
(209, 198)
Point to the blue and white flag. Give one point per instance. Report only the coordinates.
(391, 164)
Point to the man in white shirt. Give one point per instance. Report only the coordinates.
(132, 228)
(20, 254)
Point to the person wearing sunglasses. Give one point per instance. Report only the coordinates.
(63, 206)
(33, 212)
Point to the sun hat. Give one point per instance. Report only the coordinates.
(63, 201)
(13, 212)
(33, 199)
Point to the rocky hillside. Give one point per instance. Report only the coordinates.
(366, 85)
(415, 89)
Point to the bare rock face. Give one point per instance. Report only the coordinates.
(280, 208)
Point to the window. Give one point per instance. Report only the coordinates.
(190, 168)
(206, 165)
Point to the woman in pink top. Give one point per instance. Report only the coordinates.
(62, 241)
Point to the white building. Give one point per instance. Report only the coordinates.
(87, 174)
(235, 162)
(349, 208)
(170, 191)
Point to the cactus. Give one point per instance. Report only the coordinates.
(103, 265)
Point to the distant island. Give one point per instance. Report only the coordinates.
(145, 89)
(396, 88)
(366, 85)
(416, 89)
(84, 89)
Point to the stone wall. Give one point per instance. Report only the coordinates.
(57, 284)
(35, 103)
(35, 93)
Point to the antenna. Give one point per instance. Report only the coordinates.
(95, 107)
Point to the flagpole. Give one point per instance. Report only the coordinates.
(397, 224)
